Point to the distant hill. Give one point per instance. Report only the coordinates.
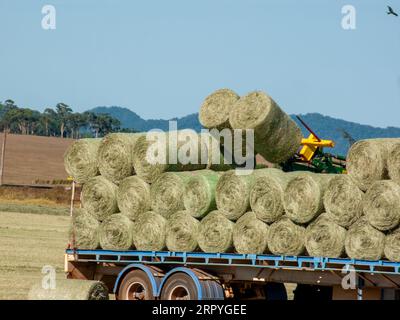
(326, 127)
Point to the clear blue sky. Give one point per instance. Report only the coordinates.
(161, 58)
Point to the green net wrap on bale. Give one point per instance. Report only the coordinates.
(277, 137)
(167, 193)
(392, 245)
(199, 195)
(133, 197)
(343, 200)
(181, 150)
(181, 232)
(286, 238)
(215, 233)
(393, 162)
(382, 205)
(116, 233)
(266, 196)
(214, 112)
(363, 241)
(325, 238)
(303, 196)
(70, 289)
(84, 230)
(99, 197)
(115, 155)
(367, 161)
(80, 159)
(150, 232)
(250, 235)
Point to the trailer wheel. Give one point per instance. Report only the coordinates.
(179, 286)
(135, 286)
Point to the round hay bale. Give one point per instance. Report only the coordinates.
(150, 232)
(343, 200)
(276, 136)
(181, 232)
(214, 112)
(217, 158)
(250, 235)
(99, 197)
(215, 233)
(199, 194)
(166, 193)
(286, 238)
(363, 241)
(84, 230)
(116, 233)
(367, 161)
(303, 196)
(266, 196)
(133, 197)
(382, 205)
(115, 155)
(393, 163)
(392, 245)
(325, 238)
(70, 289)
(80, 159)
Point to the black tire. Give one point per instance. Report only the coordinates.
(179, 286)
(275, 291)
(135, 285)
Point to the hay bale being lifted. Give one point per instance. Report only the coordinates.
(382, 205)
(392, 245)
(303, 196)
(215, 233)
(181, 232)
(116, 233)
(84, 230)
(277, 137)
(70, 289)
(363, 241)
(343, 200)
(250, 234)
(99, 197)
(286, 238)
(115, 155)
(367, 161)
(80, 159)
(133, 197)
(150, 232)
(214, 112)
(393, 162)
(325, 238)
(199, 195)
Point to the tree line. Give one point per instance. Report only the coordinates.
(58, 122)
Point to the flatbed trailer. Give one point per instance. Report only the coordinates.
(165, 275)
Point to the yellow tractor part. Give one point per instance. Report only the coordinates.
(311, 145)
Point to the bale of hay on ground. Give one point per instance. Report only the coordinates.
(84, 230)
(286, 238)
(70, 289)
(382, 205)
(215, 233)
(150, 232)
(199, 194)
(367, 161)
(303, 196)
(325, 238)
(277, 137)
(99, 197)
(116, 233)
(115, 155)
(393, 162)
(392, 245)
(250, 235)
(133, 197)
(80, 159)
(343, 200)
(214, 112)
(181, 232)
(363, 241)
